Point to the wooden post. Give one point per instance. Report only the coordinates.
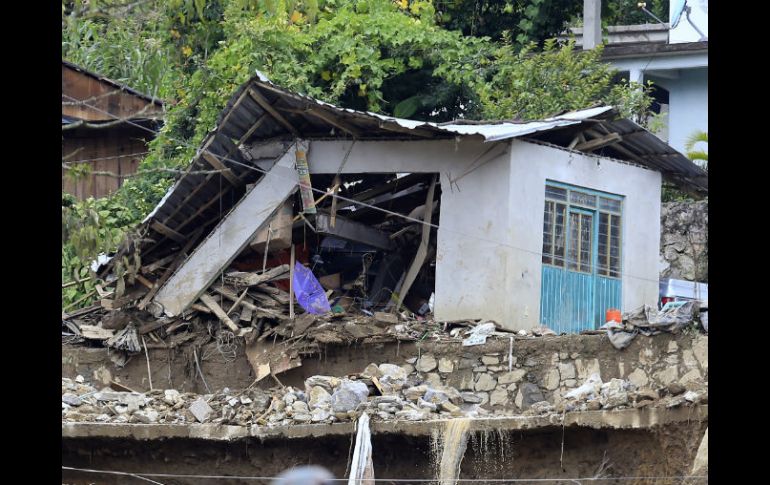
(291, 284)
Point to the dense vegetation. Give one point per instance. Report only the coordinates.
(411, 58)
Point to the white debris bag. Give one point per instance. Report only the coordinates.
(589, 390)
(478, 335)
(362, 469)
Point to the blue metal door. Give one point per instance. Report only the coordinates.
(581, 257)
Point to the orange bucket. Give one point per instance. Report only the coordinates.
(613, 314)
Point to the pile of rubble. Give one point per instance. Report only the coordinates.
(385, 392)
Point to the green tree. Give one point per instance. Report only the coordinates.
(698, 154)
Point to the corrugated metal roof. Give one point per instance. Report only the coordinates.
(199, 199)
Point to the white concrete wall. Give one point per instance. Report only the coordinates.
(531, 166)
(490, 236)
(688, 105)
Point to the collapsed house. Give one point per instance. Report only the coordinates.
(316, 266)
(524, 223)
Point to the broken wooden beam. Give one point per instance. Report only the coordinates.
(270, 109)
(597, 143)
(422, 251)
(353, 231)
(230, 237)
(218, 311)
(215, 162)
(168, 232)
(250, 279)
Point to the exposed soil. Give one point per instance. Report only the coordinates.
(661, 451)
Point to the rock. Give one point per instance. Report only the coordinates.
(448, 406)
(318, 397)
(485, 382)
(480, 368)
(80, 379)
(570, 383)
(700, 347)
(392, 378)
(427, 405)
(327, 382)
(387, 318)
(71, 399)
(468, 363)
(245, 400)
(693, 376)
(147, 416)
(691, 396)
(585, 368)
(412, 414)
(416, 392)
(530, 394)
(233, 402)
(299, 407)
(672, 359)
(302, 417)
(289, 398)
(408, 368)
(426, 363)
(411, 360)
(551, 379)
(614, 393)
(672, 347)
(574, 355)
(348, 396)
(484, 397)
(512, 377)
(498, 397)
(638, 378)
(435, 396)
(201, 410)
(372, 371)
(490, 360)
(593, 404)
(171, 396)
(434, 379)
(675, 388)
(567, 371)
(666, 376)
(688, 359)
(541, 407)
(563, 355)
(497, 368)
(471, 398)
(319, 414)
(445, 365)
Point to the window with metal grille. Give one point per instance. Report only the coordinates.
(582, 230)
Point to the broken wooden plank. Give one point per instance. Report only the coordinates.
(422, 251)
(158, 264)
(270, 109)
(218, 311)
(81, 312)
(305, 185)
(250, 279)
(597, 143)
(168, 232)
(230, 237)
(200, 308)
(95, 332)
(345, 228)
(335, 122)
(149, 327)
(215, 162)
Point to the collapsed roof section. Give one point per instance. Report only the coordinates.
(267, 119)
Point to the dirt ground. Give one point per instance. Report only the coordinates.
(661, 451)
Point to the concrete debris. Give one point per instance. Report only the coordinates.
(201, 410)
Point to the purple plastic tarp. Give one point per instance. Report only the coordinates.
(309, 292)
